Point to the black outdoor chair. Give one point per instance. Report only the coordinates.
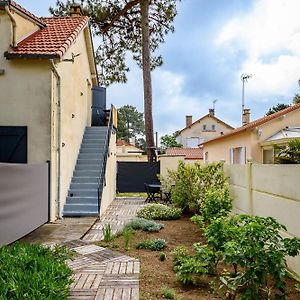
(153, 192)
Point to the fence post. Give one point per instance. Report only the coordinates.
(249, 166)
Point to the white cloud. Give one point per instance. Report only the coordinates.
(269, 35)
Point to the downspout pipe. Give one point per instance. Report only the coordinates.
(13, 21)
(58, 85)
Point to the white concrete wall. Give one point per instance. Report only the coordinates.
(268, 190)
(109, 189)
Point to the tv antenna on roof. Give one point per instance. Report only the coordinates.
(244, 78)
(214, 103)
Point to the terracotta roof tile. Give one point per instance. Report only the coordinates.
(121, 142)
(21, 9)
(51, 41)
(190, 153)
(257, 122)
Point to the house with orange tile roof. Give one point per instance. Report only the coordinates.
(189, 154)
(129, 152)
(255, 140)
(47, 74)
(203, 129)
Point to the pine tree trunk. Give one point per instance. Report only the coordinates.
(144, 4)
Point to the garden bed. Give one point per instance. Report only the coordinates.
(156, 274)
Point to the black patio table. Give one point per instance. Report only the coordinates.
(153, 191)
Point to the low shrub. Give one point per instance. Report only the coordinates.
(34, 272)
(159, 212)
(162, 256)
(127, 234)
(153, 245)
(144, 224)
(167, 293)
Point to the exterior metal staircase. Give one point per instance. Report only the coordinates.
(85, 190)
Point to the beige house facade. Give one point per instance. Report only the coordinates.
(129, 152)
(206, 128)
(46, 76)
(254, 140)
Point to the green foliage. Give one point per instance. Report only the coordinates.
(296, 99)
(167, 293)
(169, 141)
(159, 212)
(127, 234)
(255, 250)
(276, 108)
(121, 33)
(107, 233)
(290, 154)
(217, 203)
(162, 256)
(194, 182)
(34, 272)
(130, 123)
(144, 224)
(153, 245)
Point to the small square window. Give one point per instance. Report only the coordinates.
(204, 127)
(213, 127)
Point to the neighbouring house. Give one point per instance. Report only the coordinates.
(129, 152)
(204, 129)
(255, 140)
(47, 78)
(189, 154)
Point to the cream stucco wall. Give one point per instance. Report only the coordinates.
(196, 130)
(268, 190)
(75, 85)
(25, 96)
(109, 189)
(54, 105)
(251, 139)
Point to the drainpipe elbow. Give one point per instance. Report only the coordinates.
(14, 24)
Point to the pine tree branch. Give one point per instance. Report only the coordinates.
(119, 14)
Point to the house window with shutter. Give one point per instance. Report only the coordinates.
(237, 155)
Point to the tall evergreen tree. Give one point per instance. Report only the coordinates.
(137, 26)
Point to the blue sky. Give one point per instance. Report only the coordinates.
(214, 43)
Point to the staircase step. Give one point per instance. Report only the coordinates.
(83, 186)
(90, 156)
(80, 214)
(93, 141)
(97, 162)
(83, 193)
(95, 146)
(86, 179)
(87, 208)
(89, 167)
(82, 200)
(85, 173)
(96, 128)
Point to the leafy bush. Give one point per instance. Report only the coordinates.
(194, 182)
(153, 245)
(159, 212)
(144, 224)
(255, 250)
(34, 272)
(290, 154)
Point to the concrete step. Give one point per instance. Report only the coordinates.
(90, 156)
(96, 128)
(80, 214)
(90, 167)
(99, 142)
(97, 161)
(83, 193)
(85, 173)
(94, 146)
(83, 186)
(85, 179)
(94, 134)
(82, 200)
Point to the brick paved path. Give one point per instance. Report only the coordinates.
(117, 215)
(102, 274)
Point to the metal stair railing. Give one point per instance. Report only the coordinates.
(102, 181)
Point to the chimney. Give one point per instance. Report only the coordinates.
(246, 116)
(76, 10)
(188, 121)
(211, 112)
